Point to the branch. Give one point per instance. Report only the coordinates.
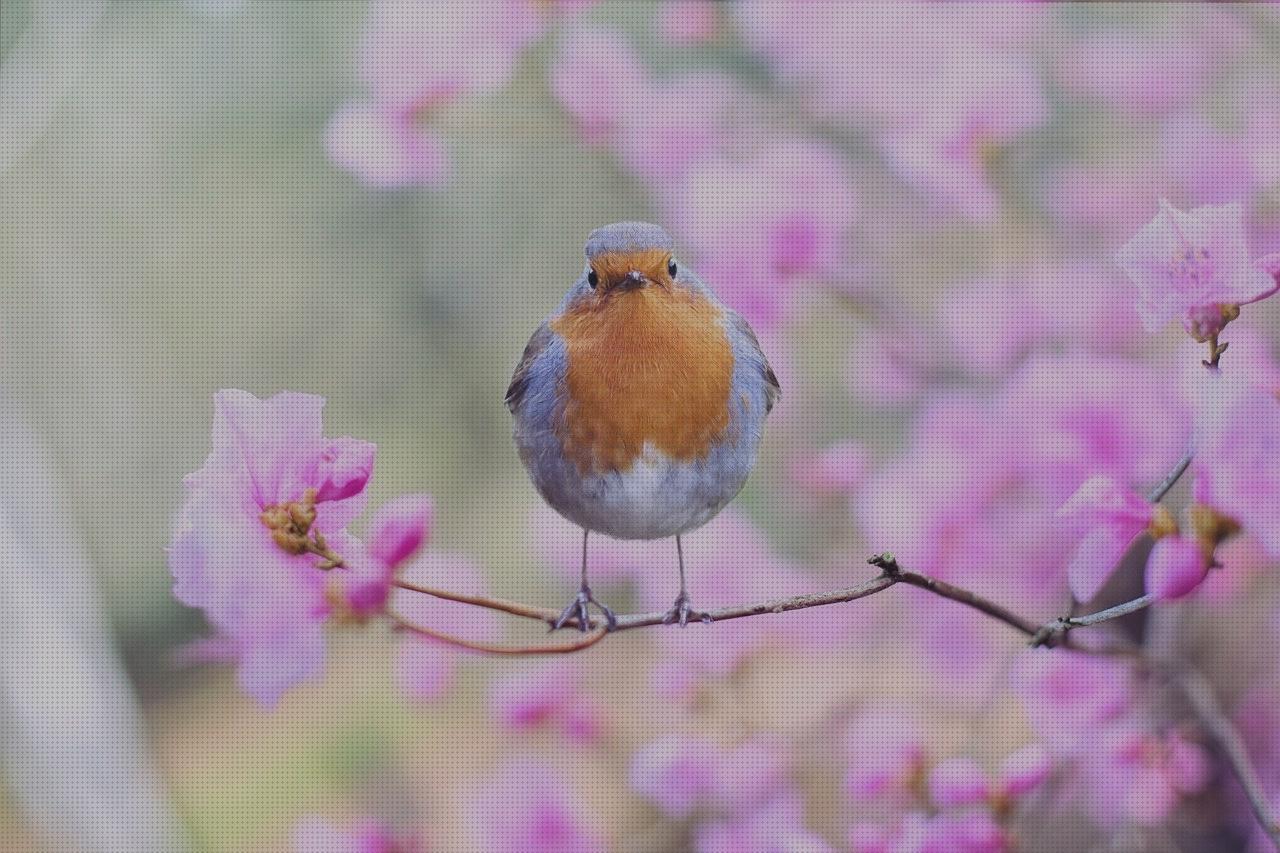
(1051, 634)
(891, 574)
(586, 640)
(955, 593)
(643, 620)
(1171, 479)
(1048, 634)
(1199, 693)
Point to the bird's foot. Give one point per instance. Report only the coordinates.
(577, 609)
(682, 611)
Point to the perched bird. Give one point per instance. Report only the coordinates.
(640, 402)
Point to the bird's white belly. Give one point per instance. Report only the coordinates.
(656, 497)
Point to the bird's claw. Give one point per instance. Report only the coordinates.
(682, 611)
(577, 609)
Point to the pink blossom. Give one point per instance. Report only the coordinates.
(1141, 776)
(971, 497)
(386, 150)
(1079, 301)
(958, 782)
(940, 87)
(1025, 770)
(675, 123)
(689, 22)
(550, 694)
(426, 667)
(974, 831)
(687, 774)
(317, 835)
(947, 151)
(1192, 265)
(416, 55)
(529, 807)
(1113, 197)
(1066, 431)
(1237, 464)
(397, 531)
(1176, 567)
(599, 80)
(400, 528)
(993, 324)
(658, 128)
(869, 63)
(778, 825)
(1216, 396)
(257, 587)
(676, 773)
(768, 222)
(889, 366)
(1208, 163)
(886, 752)
(1069, 696)
(928, 501)
(415, 58)
(1110, 516)
(1131, 71)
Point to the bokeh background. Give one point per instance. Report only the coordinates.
(178, 218)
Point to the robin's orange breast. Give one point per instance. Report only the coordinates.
(650, 366)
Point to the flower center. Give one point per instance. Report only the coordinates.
(290, 526)
(1192, 265)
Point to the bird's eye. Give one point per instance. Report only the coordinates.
(671, 267)
(593, 279)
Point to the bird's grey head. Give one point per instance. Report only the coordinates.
(627, 237)
(626, 257)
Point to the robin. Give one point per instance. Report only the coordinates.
(640, 402)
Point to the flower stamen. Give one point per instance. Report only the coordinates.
(290, 527)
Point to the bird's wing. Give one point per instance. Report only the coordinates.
(520, 379)
(772, 390)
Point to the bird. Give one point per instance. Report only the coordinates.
(639, 403)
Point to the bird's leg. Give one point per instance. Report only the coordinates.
(682, 611)
(578, 607)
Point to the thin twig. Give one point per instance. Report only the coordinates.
(969, 599)
(581, 642)
(1048, 634)
(644, 620)
(1157, 494)
(515, 608)
(890, 574)
(1230, 744)
(780, 605)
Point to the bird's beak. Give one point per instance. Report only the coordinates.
(633, 280)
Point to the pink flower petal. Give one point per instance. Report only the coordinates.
(1176, 567)
(344, 469)
(1026, 770)
(958, 782)
(400, 527)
